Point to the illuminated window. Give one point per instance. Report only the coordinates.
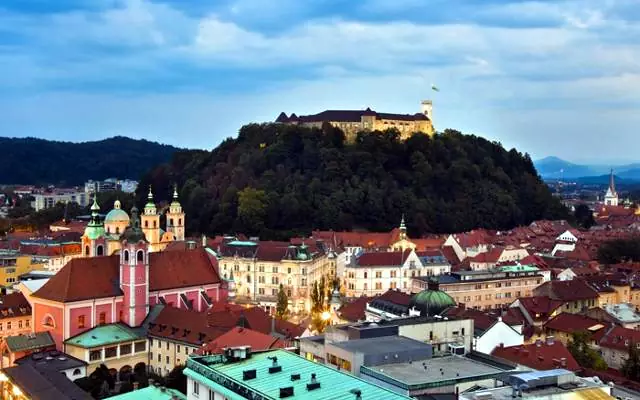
(102, 319)
(80, 321)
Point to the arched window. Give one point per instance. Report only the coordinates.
(171, 221)
(140, 255)
(117, 230)
(100, 251)
(179, 221)
(48, 321)
(108, 229)
(77, 372)
(154, 224)
(146, 224)
(86, 250)
(126, 256)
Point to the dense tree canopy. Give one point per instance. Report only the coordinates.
(36, 161)
(277, 180)
(619, 250)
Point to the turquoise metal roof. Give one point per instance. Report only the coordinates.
(117, 215)
(104, 335)
(519, 268)
(242, 243)
(334, 384)
(151, 393)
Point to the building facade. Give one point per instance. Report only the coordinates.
(353, 121)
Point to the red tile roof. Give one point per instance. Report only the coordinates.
(239, 336)
(450, 254)
(481, 320)
(184, 325)
(98, 277)
(396, 297)
(540, 356)
(354, 310)
(253, 318)
(572, 290)
(383, 258)
(14, 305)
(569, 323)
(491, 256)
(539, 307)
(620, 338)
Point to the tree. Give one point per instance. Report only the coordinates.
(584, 216)
(585, 356)
(316, 306)
(631, 366)
(283, 303)
(251, 209)
(177, 379)
(322, 293)
(619, 250)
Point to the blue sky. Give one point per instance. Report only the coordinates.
(548, 77)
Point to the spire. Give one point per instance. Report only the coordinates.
(612, 183)
(403, 227)
(95, 216)
(175, 192)
(150, 195)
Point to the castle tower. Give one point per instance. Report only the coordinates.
(611, 197)
(151, 221)
(426, 108)
(176, 217)
(93, 240)
(134, 272)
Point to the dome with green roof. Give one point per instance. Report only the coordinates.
(117, 214)
(431, 301)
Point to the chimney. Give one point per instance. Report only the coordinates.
(204, 241)
(136, 385)
(550, 340)
(501, 345)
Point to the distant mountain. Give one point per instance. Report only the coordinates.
(36, 161)
(557, 168)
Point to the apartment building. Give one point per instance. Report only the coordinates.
(485, 290)
(43, 201)
(260, 267)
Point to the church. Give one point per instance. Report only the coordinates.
(123, 287)
(103, 237)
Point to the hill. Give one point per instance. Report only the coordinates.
(277, 180)
(36, 161)
(556, 168)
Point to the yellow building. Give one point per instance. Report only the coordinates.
(13, 264)
(353, 121)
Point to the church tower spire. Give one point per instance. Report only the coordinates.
(611, 197)
(176, 217)
(93, 239)
(134, 272)
(151, 222)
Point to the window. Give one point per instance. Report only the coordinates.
(261, 268)
(20, 324)
(159, 357)
(0, 326)
(393, 274)
(261, 291)
(140, 347)
(121, 315)
(103, 318)
(95, 355)
(274, 270)
(211, 395)
(140, 256)
(80, 321)
(248, 268)
(111, 352)
(248, 278)
(76, 372)
(236, 268)
(167, 358)
(289, 270)
(288, 292)
(274, 280)
(171, 221)
(179, 221)
(177, 348)
(125, 349)
(393, 285)
(155, 224)
(48, 322)
(126, 256)
(117, 230)
(167, 345)
(274, 292)
(9, 325)
(365, 274)
(100, 250)
(146, 224)
(196, 388)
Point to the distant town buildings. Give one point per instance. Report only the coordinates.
(353, 121)
(110, 185)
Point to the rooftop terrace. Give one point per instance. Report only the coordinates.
(228, 378)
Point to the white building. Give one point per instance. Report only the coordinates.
(374, 273)
(497, 334)
(48, 200)
(611, 197)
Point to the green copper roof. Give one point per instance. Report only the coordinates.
(151, 393)
(94, 232)
(104, 335)
(519, 268)
(25, 342)
(117, 214)
(432, 301)
(241, 243)
(334, 384)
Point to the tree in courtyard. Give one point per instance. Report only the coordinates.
(283, 303)
(585, 355)
(631, 366)
(584, 216)
(177, 379)
(315, 298)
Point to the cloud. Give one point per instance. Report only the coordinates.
(507, 69)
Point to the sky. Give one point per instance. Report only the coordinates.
(547, 77)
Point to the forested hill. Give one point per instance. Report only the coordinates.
(37, 161)
(276, 180)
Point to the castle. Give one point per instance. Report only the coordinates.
(353, 121)
(102, 238)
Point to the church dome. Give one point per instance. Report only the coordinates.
(117, 214)
(431, 301)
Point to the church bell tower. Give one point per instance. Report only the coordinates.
(134, 273)
(176, 217)
(151, 221)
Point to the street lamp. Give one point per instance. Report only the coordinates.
(326, 315)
